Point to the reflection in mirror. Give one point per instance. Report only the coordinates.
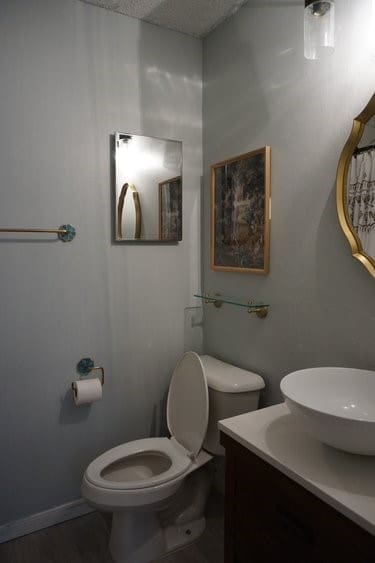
(170, 209)
(356, 187)
(361, 189)
(130, 208)
(148, 188)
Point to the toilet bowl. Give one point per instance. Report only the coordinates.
(138, 473)
(157, 487)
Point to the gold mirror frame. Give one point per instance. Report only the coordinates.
(359, 124)
(137, 206)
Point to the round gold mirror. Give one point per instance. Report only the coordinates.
(355, 188)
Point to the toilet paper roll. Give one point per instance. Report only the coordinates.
(87, 391)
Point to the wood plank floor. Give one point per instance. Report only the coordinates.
(85, 540)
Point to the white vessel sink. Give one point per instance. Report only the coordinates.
(335, 405)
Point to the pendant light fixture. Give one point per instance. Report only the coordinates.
(372, 32)
(319, 23)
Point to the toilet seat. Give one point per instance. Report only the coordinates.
(144, 472)
(170, 453)
(187, 404)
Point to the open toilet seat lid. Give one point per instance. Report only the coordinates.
(187, 406)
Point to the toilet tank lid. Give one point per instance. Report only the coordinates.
(228, 378)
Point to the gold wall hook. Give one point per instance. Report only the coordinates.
(261, 312)
(213, 301)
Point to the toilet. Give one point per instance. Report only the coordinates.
(157, 487)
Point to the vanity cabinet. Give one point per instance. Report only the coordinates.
(270, 518)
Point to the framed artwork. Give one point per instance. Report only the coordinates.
(240, 213)
(170, 209)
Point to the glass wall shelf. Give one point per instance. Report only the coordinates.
(260, 309)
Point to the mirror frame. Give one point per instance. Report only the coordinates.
(359, 124)
(127, 188)
(120, 210)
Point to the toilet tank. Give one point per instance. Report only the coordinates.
(232, 391)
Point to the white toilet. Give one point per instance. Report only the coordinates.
(157, 487)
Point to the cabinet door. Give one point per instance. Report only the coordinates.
(273, 519)
(269, 525)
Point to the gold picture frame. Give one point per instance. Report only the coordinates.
(241, 213)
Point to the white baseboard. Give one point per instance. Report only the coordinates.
(44, 519)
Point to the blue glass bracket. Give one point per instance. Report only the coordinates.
(85, 365)
(69, 235)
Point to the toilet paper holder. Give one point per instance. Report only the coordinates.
(86, 366)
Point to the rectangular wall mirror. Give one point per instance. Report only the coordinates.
(148, 188)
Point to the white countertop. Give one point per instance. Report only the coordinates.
(345, 481)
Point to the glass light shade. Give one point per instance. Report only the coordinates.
(319, 23)
(372, 32)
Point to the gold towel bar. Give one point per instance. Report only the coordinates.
(66, 233)
(25, 230)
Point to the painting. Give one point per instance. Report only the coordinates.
(240, 213)
(170, 209)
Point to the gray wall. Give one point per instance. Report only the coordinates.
(71, 75)
(259, 89)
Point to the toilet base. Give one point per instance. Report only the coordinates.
(136, 537)
(179, 536)
(141, 536)
(148, 541)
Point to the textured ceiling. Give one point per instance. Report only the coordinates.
(194, 17)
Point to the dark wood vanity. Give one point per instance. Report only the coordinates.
(270, 518)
